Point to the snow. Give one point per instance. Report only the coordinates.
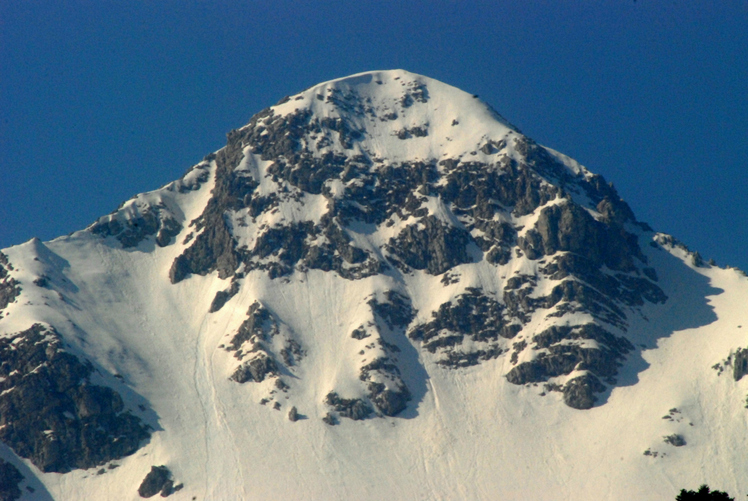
(467, 434)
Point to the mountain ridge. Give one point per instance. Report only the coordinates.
(353, 252)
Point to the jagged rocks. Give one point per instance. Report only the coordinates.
(259, 337)
(579, 393)
(10, 478)
(222, 297)
(431, 245)
(473, 315)
(131, 230)
(256, 369)
(330, 419)
(675, 440)
(565, 352)
(396, 309)
(215, 248)
(259, 325)
(9, 288)
(158, 480)
(740, 364)
(388, 401)
(51, 414)
(566, 349)
(352, 408)
(569, 227)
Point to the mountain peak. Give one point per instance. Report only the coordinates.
(396, 104)
(392, 265)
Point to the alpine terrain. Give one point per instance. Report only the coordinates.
(378, 289)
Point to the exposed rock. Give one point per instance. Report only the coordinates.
(563, 357)
(259, 325)
(222, 297)
(158, 480)
(740, 364)
(675, 440)
(9, 288)
(293, 415)
(330, 419)
(130, 230)
(568, 227)
(431, 245)
(389, 402)
(473, 315)
(214, 248)
(353, 408)
(396, 310)
(51, 414)
(10, 478)
(360, 333)
(579, 393)
(256, 369)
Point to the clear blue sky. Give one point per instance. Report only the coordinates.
(101, 100)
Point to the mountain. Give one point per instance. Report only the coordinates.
(378, 288)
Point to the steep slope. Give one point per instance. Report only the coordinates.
(379, 287)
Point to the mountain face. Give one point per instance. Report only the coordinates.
(436, 305)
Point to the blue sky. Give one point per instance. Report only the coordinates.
(101, 100)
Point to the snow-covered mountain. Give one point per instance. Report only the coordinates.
(379, 288)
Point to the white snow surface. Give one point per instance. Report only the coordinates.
(467, 433)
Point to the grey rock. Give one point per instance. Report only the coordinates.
(222, 297)
(330, 419)
(579, 393)
(389, 402)
(51, 414)
(396, 310)
(436, 247)
(10, 478)
(352, 408)
(259, 324)
(158, 480)
(740, 364)
(257, 369)
(9, 288)
(293, 414)
(675, 440)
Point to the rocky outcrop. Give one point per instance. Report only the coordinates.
(579, 393)
(740, 364)
(256, 369)
(10, 479)
(472, 315)
(352, 408)
(253, 343)
(130, 230)
(158, 480)
(570, 228)
(581, 242)
(52, 414)
(10, 289)
(222, 297)
(431, 245)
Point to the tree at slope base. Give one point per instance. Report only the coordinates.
(703, 494)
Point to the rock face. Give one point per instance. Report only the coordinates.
(740, 364)
(157, 481)
(9, 287)
(10, 478)
(507, 201)
(50, 412)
